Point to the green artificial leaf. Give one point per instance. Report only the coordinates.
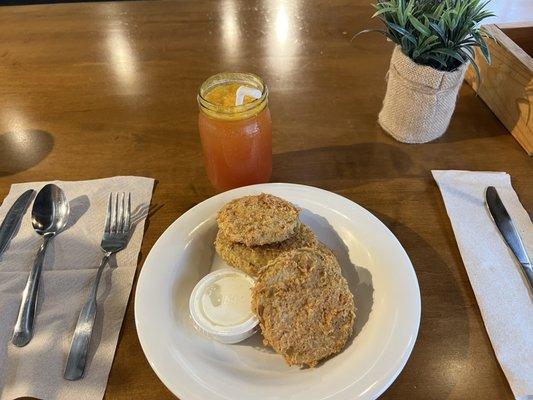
(476, 68)
(438, 59)
(372, 30)
(407, 44)
(480, 7)
(438, 11)
(450, 53)
(401, 31)
(382, 11)
(409, 9)
(438, 30)
(440, 33)
(428, 44)
(483, 47)
(419, 26)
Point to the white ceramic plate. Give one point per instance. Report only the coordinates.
(192, 366)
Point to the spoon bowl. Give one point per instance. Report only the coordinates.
(50, 210)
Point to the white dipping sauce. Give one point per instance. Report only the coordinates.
(220, 305)
(226, 302)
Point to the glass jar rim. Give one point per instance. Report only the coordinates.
(233, 112)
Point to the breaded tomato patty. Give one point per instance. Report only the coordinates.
(258, 220)
(305, 308)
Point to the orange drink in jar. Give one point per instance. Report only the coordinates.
(236, 138)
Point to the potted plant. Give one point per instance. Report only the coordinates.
(435, 42)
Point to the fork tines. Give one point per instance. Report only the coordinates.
(118, 217)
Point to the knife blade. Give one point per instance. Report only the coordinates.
(509, 232)
(13, 217)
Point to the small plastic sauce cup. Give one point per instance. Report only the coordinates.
(220, 306)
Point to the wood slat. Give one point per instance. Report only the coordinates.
(507, 84)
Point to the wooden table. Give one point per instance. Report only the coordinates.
(102, 89)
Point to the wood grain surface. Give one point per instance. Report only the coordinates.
(102, 89)
(522, 36)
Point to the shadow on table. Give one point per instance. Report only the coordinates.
(337, 167)
(465, 123)
(23, 149)
(443, 337)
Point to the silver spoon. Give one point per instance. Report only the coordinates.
(49, 216)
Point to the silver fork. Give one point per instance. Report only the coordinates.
(116, 233)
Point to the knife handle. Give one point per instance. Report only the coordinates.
(23, 331)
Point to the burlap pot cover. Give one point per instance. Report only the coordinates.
(419, 101)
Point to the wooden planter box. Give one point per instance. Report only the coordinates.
(507, 84)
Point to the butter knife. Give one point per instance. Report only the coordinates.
(13, 217)
(505, 224)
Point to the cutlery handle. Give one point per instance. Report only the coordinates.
(23, 331)
(81, 340)
(528, 269)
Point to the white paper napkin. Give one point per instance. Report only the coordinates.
(69, 268)
(501, 290)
